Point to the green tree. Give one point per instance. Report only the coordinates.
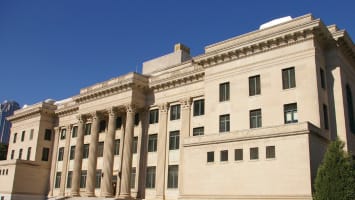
(336, 175)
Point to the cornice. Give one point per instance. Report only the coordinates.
(28, 114)
(345, 44)
(67, 111)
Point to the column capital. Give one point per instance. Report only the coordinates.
(163, 107)
(186, 102)
(112, 111)
(81, 118)
(94, 115)
(56, 129)
(130, 108)
(69, 127)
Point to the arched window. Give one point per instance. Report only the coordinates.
(349, 99)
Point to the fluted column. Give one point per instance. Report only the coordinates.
(78, 156)
(54, 160)
(90, 181)
(161, 165)
(65, 161)
(125, 192)
(106, 186)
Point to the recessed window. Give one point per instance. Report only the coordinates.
(325, 116)
(116, 149)
(153, 116)
(63, 133)
(152, 143)
(136, 119)
(83, 178)
(118, 122)
(322, 78)
(87, 129)
(254, 85)
(150, 178)
(288, 78)
(31, 134)
(100, 149)
(72, 153)
(254, 153)
(238, 154)
(255, 118)
(175, 112)
(85, 151)
(102, 126)
(174, 140)
(45, 154)
(135, 144)
(20, 154)
(173, 174)
(224, 91)
(74, 132)
(48, 134)
(198, 131)
(12, 154)
(57, 179)
(29, 153)
(290, 113)
(23, 136)
(69, 179)
(199, 107)
(224, 123)
(133, 177)
(98, 178)
(15, 136)
(60, 153)
(270, 152)
(224, 156)
(210, 156)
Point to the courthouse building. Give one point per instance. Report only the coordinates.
(250, 118)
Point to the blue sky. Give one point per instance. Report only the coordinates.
(51, 49)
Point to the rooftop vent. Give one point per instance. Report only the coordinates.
(275, 22)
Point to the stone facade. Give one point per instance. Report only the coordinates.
(248, 119)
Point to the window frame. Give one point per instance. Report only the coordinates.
(210, 157)
(199, 107)
(173, 177)
(175, 112)
(224, 91)
(198, 131)
(255, 116)
(224, 123)
(152, 143)
(288, 78)
(238, 155)
(150, 178)
(223, 156)
(270, 152)
(254, 153)
(254, 85)
(154, 116)
(292, 109)
(174, 140)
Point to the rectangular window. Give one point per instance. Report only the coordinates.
(290, 113)
(254, 153)
(224, 123)
(98, 178)
(175, 112)
(116, 150)
(74, 132)
(31, 134)
(87, 129)
(118, 122)
(23, 136)
(57, 179)
(152, 143)
(254, 85)
(45, 154)
(224, 156)
(133, 177)
(85, 151)
(102, 126)
(199, 107)
(48, 134)
(238, 154)
(322, 78)
(325, 116)
(173, 174)
(135, 144)
(174, 140)
(136, 119)
(198, 131)
(255, 118)
(224, 92)
(210, 156)
(15, 136)
(72, 153)
(100, 149)
(60, 153)
(12, 154)
(29, 153)
(270, 152)
(69, 179)
(288, 78)
(63, 133)
(150, 178)
(83, 179)
(20, 154)
(153, 116)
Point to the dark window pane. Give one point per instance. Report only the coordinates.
(254, 153)
(174, 140)
(290, 113)
(224, 155)
(198, 131)
(210, 156)
(238, 154)
(270, 152)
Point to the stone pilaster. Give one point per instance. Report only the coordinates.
(65, 161)
(54, 161)
(92, 161)
(106, 186)
(78, 156)
(161, 165)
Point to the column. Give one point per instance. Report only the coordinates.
(65, 161)
(161, 163)
(120, 161)
(125, 192)
(54, 160)
(106, 183)
(91, 176)
(78, 156)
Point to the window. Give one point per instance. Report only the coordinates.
(87, 129)
(31, 134)
(116, 150)
(63, 133)
(47, 134)
(29, 153)
(175, 112)
(135, 144)
(290, 113)
(322, 78)
(83, 179)
(224, 123)
(57, 179)
(60, 153)
(349, 100)
(100, 149)
(255, 118)
(288, 78)
(210, 156)
(270, 151)
(85, 151)
(153, 116)
(224, 155)
(98, 178)
(102, 126)
(23, 136)
(150, 178)
(133, 177)
(118, 122)
(15, 136)
(69, 179)
(199, 107)
(174, 140)
(198, 131)
(74, 132)
(254, 85)
(173, 174)
(238, 154)
(20, 154)
(152, 143)
(45, 154)
(254, 153)
(72, 153)
(136, 119)
(325, 116)
(12, 154)
(224, 92)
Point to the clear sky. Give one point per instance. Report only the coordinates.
(51, 49)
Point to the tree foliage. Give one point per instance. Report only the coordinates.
(336, 175)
